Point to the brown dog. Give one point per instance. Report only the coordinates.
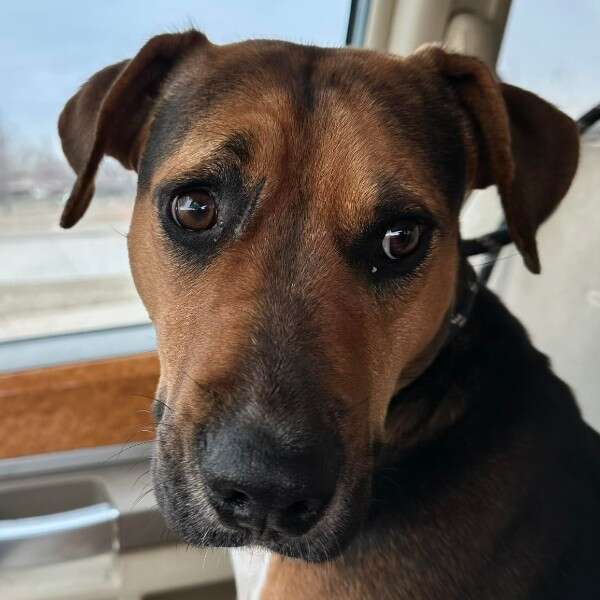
(295, 239)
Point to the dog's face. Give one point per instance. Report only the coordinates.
(295, 241)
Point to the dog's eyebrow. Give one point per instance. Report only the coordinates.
(392, 198)
(392, 201)
(227, 157)
(238, 144)
(390, 190)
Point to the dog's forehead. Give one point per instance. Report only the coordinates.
(339, 120)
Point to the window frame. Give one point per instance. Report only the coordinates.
(54, 350)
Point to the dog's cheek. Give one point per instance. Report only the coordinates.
(410, 330)
(142, 244)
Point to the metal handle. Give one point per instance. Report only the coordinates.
(48, 539)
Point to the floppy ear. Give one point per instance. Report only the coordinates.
(524, 145)
(109, 113)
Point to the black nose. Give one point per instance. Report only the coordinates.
(260, 483)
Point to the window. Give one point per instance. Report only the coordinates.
(54, 281)
(553, 51)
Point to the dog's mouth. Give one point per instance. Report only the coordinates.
(306, 531)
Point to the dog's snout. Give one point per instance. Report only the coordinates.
(289, 511)
(260, 484)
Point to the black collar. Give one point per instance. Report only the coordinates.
(465, 299)
(469, 283)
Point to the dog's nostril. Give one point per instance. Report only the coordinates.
(237, 498)
(297, 509)
(299, 516)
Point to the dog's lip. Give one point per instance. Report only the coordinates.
(284, 543)
(306, 546)
(268, 536)
(292, 546)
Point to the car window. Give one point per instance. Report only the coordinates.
(554, 52)
(54, 281)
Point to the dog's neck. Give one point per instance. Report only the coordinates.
(460, 411)
(423, 406)
(475, 383)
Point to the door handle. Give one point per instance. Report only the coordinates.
(58, 537)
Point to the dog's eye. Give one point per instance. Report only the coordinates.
(194, 209)
(402, 239)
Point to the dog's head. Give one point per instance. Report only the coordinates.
(295, 240)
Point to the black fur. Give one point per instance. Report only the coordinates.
(519, 462)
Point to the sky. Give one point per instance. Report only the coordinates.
(48, 48)
(552, 47)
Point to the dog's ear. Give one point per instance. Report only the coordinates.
(524, 145)
(108, 114)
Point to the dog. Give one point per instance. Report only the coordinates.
(334, 388)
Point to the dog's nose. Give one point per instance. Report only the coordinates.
(260, 484)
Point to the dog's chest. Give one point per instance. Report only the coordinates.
(250, 569)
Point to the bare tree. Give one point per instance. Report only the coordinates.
(4, 164)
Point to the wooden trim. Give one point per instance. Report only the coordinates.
(77, 406)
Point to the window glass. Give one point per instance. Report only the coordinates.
(552, 49)
(54, 281)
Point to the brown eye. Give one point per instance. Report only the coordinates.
(402, 239)
(195, 210)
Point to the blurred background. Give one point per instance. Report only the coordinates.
(55, 281)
